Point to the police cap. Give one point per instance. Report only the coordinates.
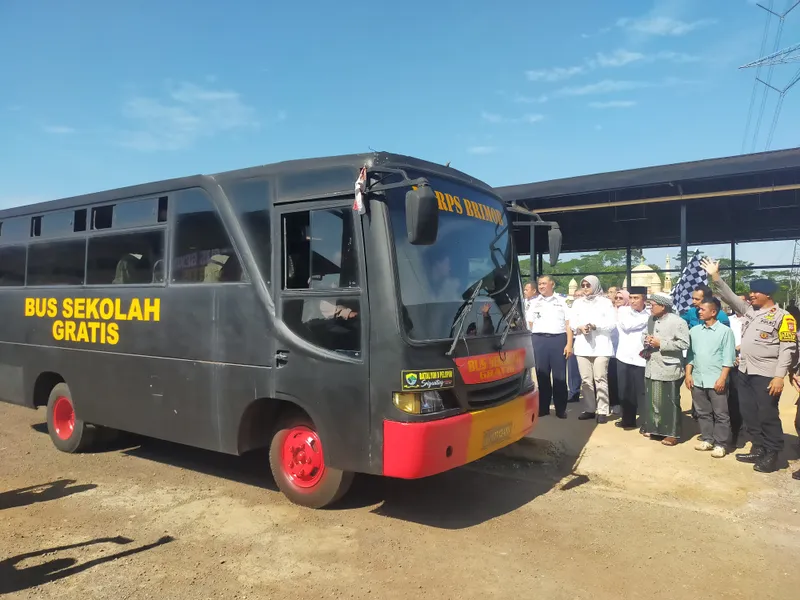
(764, 286)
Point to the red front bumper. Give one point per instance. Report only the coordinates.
(414, 450)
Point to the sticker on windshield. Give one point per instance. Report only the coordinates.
(430, 379)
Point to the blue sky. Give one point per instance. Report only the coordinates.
(98, 95)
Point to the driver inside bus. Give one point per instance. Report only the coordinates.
(447, 287)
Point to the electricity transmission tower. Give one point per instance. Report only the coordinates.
(777, 57)
(794, 280)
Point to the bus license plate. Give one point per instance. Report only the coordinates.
(494, 436)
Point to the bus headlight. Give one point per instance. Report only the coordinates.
(527, 381)
(418, 403)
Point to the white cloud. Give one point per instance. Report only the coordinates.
(603, 87)
(613, 104)
(482, 149)
(616, 59)
(58, 129)
(619, 58)
(678, 57)
(520, 99)
(602, 31)
(662, 25)
(492, 117)
(554, 74)
(188, 113)
(497, 119)
(532, 118)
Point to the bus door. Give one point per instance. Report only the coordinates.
(320, 292)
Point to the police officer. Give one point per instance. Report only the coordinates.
(548, 321)
(769, 343)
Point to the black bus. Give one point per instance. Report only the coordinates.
(353, 314)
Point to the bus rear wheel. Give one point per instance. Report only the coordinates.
(67, 431)
(297, 461)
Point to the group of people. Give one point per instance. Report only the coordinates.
(633, 353)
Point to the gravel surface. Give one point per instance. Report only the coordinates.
(147, 519)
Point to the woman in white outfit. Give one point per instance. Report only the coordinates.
(593, 319)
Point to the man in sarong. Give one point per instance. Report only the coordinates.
(665, 340)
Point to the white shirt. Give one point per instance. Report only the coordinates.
(547, 314)
(599, 312)
(736, 327)
(630, 326)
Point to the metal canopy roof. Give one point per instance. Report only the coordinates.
(752, 197)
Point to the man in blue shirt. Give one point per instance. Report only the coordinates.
(712, 354)
(691, 316)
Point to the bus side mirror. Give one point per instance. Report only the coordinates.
(422, 216)
(554, 241)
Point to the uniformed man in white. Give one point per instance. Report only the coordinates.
(548, 321)
(769, 343)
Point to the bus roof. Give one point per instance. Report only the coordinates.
(294, 179)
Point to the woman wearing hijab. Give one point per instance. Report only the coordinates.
(665, 341)
(593, 319)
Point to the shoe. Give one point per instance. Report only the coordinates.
(561, 415)
(543, 413)
(616, 410)
(585, 416)
(719, 452)
(622, 425)
(602, 419)
(704, 446)
(756, 452)
(796, 475)
(768, 463)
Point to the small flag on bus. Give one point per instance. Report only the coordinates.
(361, 184)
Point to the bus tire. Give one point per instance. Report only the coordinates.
(67, 431)
(297, 461)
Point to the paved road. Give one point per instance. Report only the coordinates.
(150, 519)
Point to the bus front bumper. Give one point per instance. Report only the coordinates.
(415, 450)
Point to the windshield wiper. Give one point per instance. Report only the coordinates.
(461, 318)
(512, 312)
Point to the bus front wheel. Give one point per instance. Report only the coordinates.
(67, 431)
(297, 461)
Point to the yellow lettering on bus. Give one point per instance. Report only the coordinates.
(91, 320)
(442, 201)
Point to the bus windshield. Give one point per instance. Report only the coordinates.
(473, 248)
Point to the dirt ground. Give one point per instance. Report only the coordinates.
(627, 518)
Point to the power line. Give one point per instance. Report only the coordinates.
(755, 81)
(777, 57)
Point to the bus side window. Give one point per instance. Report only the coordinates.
(202, 246)
(124, 258)
(320, 250)
(12, 265)
(57, 263)
(319, 254)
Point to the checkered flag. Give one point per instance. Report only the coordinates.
(693, 275)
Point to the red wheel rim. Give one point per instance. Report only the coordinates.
(63, 418)
(301, 457)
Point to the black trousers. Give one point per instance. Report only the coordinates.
(548, 350)
(762, 420)
(630, 381)
(733, 408)
(613, 383)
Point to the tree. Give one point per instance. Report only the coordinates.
(612, 262)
